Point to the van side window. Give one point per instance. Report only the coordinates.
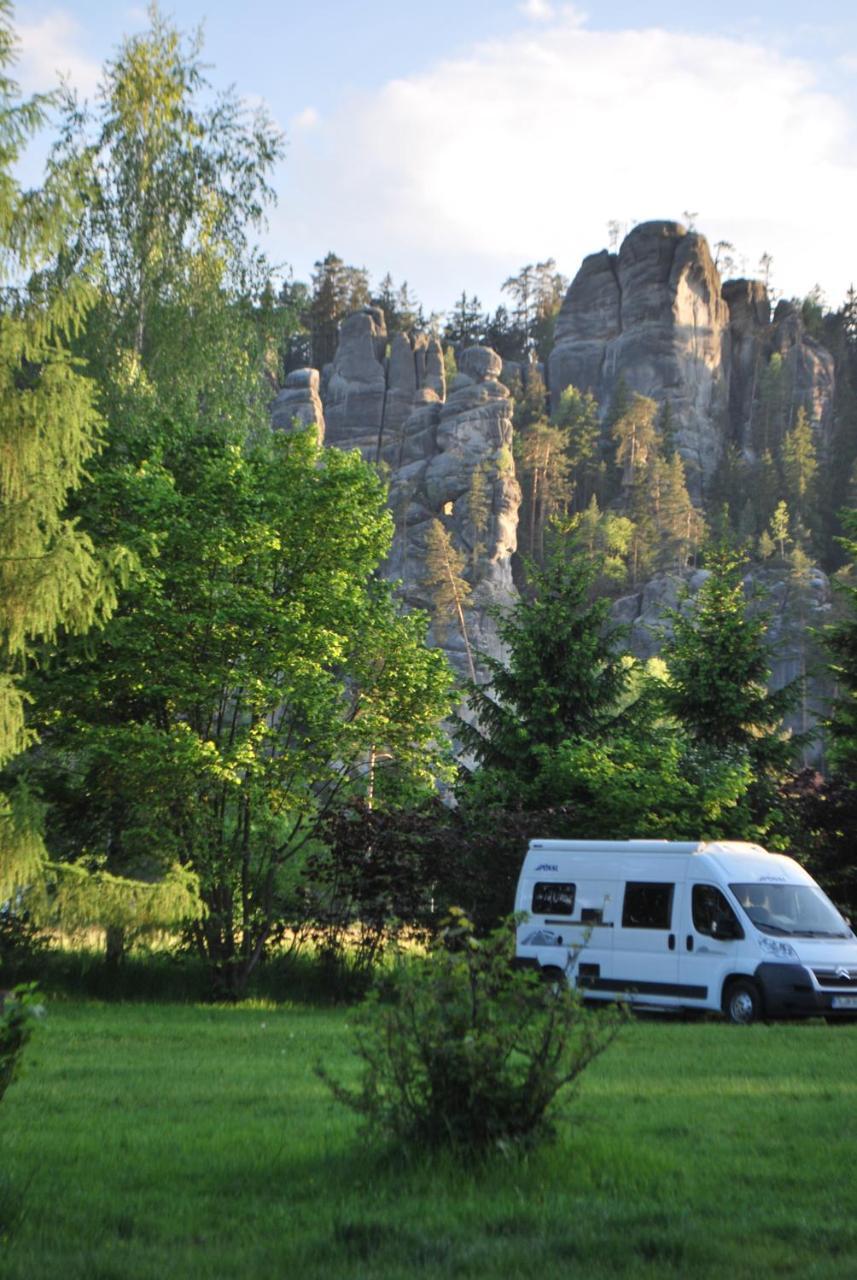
(712, 914)
(553, 899)
(647, 906)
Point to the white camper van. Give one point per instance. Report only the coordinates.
(719, 925)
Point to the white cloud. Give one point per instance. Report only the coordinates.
(307, 119)
(538, 10)
(525, 147)
(49, 49)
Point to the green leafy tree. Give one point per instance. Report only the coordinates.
(780, 527)
(251, 673)
(51, 575)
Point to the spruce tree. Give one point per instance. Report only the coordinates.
(51, 575)
(563, 678)
(719, 664)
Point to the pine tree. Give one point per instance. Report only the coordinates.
(800, 468)
(479, 500)
(444, 579)
(577, 417)
(635, 435)
(51, 576)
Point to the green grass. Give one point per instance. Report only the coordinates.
(170, 1141)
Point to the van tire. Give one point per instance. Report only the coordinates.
(742, 1002)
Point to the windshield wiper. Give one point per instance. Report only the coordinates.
(818, 933)
(773, 928)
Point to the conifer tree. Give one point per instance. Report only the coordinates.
(719, 665)
(51, 576)
(800, 468)
(563, 678)
(841, 641)
(444, 579)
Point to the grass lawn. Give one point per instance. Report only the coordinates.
(172, 1141)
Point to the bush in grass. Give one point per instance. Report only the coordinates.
(18, 1008)
(461, 1049)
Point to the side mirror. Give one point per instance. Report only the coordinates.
(726, 929)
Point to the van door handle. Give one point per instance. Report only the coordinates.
(671, 942)
(690, 942)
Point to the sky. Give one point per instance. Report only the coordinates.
(450, 144)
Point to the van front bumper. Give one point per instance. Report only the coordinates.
(788, 991)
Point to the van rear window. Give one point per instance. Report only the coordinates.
(647, 906)
(553, 899)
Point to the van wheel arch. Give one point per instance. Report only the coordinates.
(742, 1002)
(552, 976)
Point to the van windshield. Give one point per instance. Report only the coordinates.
(801, 910)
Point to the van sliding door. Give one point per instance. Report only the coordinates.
(645, 957)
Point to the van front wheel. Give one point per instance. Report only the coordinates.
(742, 1003)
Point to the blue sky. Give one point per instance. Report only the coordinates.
(451, 143)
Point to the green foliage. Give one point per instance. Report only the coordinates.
(460, 1050)
(18, 1010)
(563, 678)
(252, 669)
(52, 577)
(718, 663)
(371, 882)
(443, 578)
(841, 642)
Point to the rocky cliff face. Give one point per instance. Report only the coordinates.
(456, 465)
(449, 459)
(652, 314)
(299, 403)
(656, 315)
(756, 336)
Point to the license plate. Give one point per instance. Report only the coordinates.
(844, 1002)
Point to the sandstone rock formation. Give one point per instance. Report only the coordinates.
(299, 402)
(808, 366)
(451, 452)
(373, 383)
(653, 314)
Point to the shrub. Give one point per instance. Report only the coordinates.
(18, 1008)
(461, 1049)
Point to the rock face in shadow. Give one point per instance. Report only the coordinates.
(808, 367)
(653, 315)
(448, 458)
(656, 316)
(299, 403)
(457, 467)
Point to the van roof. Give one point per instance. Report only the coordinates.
(659, 847)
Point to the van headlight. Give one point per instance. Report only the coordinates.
(776, 947)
